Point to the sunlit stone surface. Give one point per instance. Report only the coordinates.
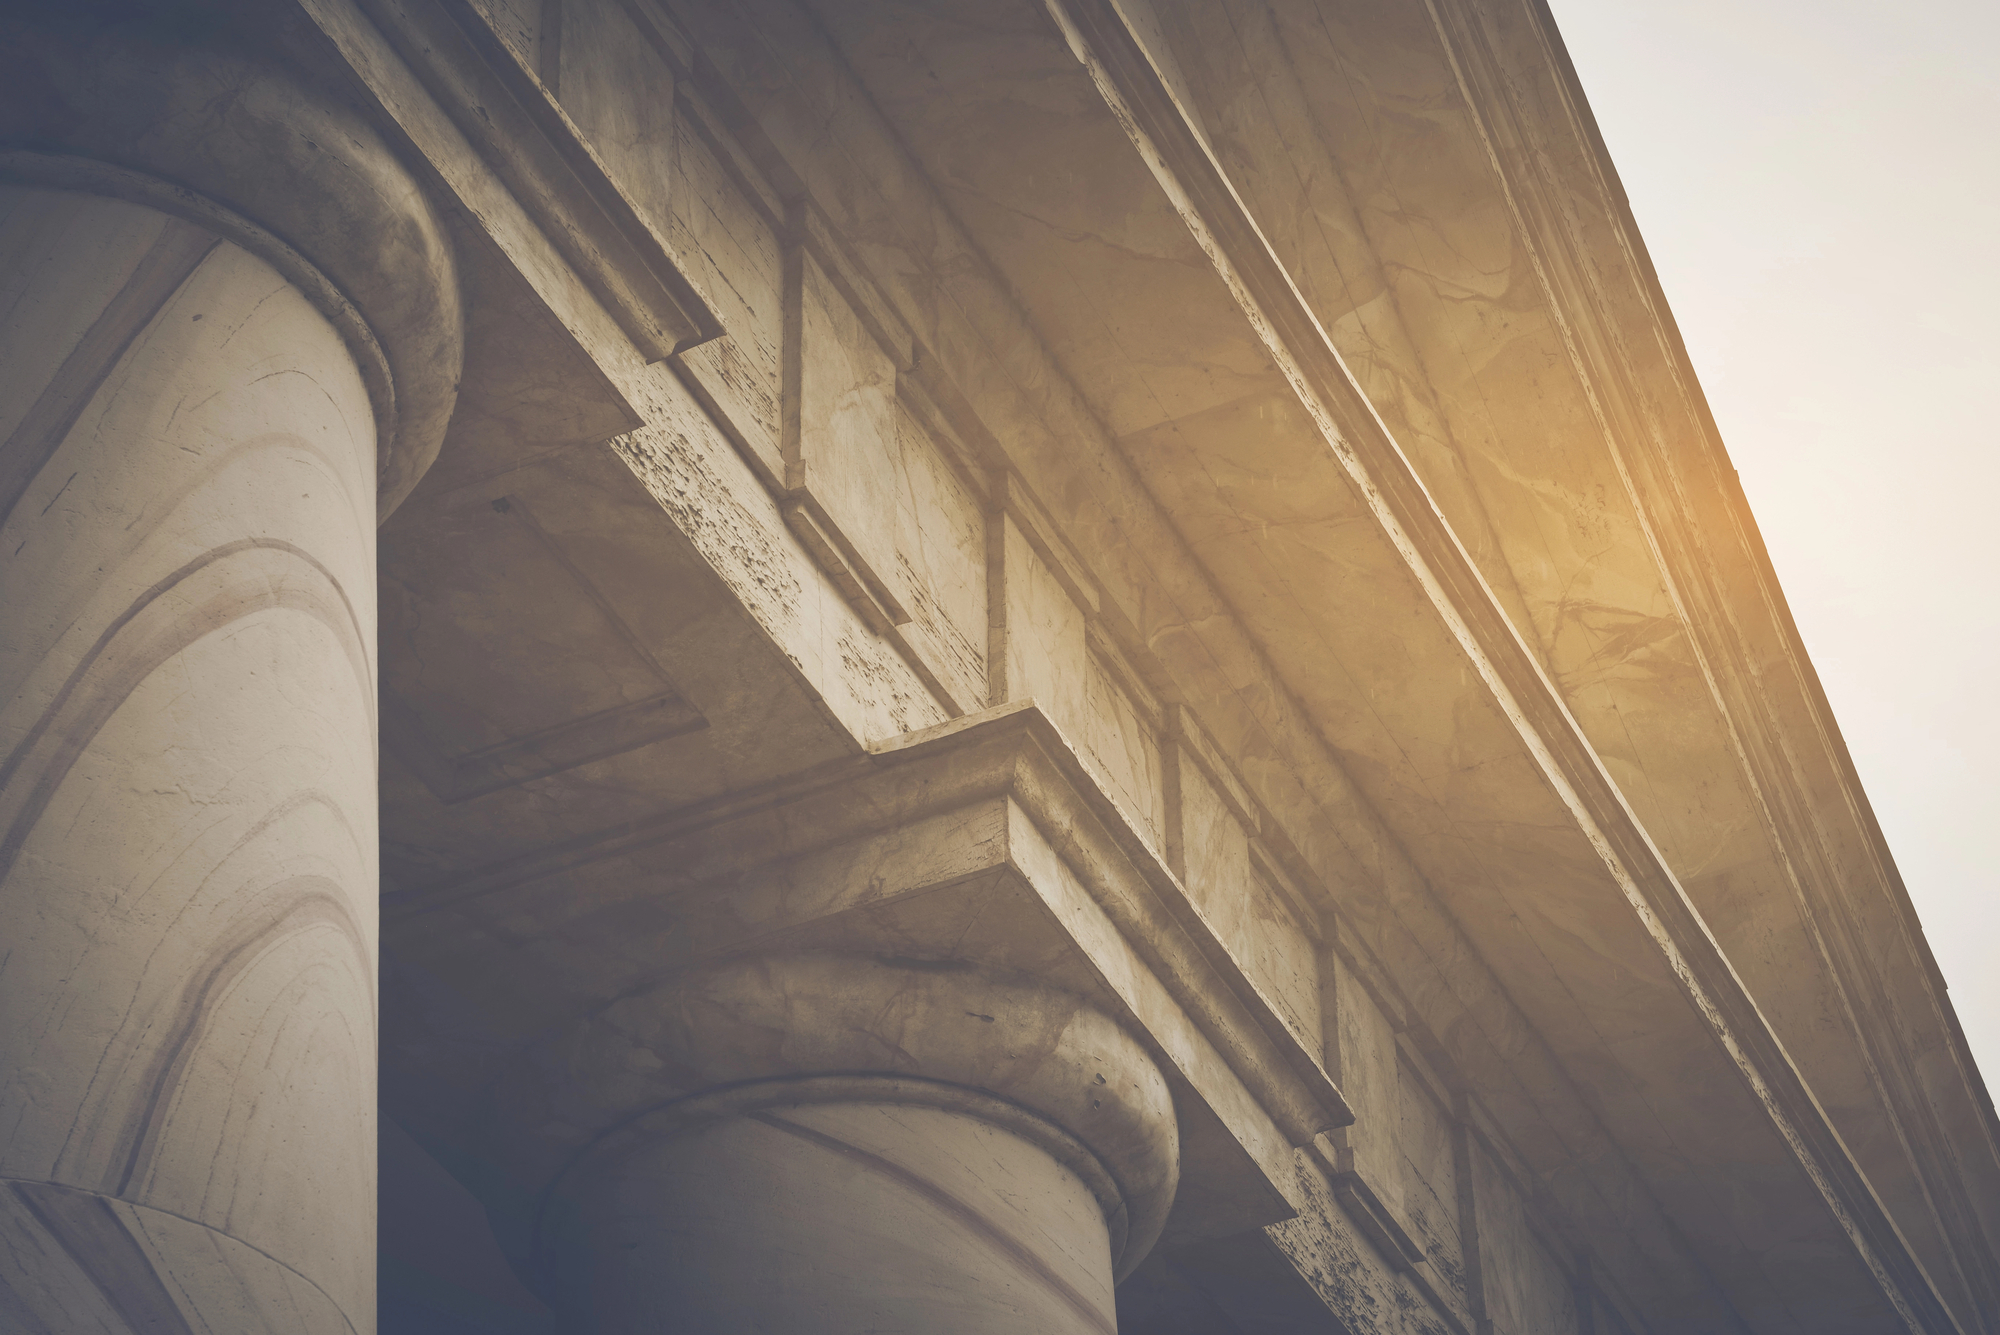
(1044, 666)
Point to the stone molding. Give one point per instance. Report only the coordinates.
(1119, 864)
(980, 845)
(243, 148)
(1780, 724)
(522, 133)
(1045, 401)
(1172, 147)
(1013, 752)
(886, 321)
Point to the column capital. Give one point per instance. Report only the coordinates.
(236, 142)
(799, 1029)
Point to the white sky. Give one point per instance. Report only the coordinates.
(1818, 182)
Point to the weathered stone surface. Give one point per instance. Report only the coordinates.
(1052, 647)
(187, 1071)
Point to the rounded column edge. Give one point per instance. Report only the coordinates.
(94, 176)
(751, 1096)
(1013, 1046)
(240, 143)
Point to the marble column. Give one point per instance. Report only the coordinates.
(866, 1147)
(197, 428)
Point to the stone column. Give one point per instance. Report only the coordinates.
(875, 1147)
(187, 830)
(194, 428)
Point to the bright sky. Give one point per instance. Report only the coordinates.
(1818, 182)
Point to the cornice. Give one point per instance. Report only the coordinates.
(1617, 327)
(1173, 149)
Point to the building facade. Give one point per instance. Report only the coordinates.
(909, 666)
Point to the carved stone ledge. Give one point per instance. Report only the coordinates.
(982, 846)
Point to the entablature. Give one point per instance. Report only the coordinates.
(1284, 671)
